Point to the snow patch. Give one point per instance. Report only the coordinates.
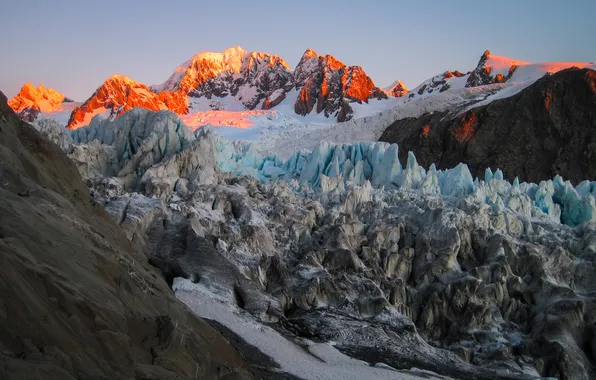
(322, 361)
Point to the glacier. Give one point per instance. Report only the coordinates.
(141, 139)
(328, 167)
(413, 247)
(339, 166)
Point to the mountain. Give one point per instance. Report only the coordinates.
(247, 78)
(31, 101)
(115, 96)
(493, 69)
(332, 86)
(397, 89)
(264, 80)
(233, 80)
(493, 73)
(211, 87)
(447, 80)
(547, 129)
(79, 299)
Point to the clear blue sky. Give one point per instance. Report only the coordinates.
(73, 45)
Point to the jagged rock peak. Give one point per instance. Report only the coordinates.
(493, 69)
(115, 96)
(209, 65)
(41, 98)
(397, 89)
(331, 85)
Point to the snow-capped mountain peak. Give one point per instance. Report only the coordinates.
(115, 96)
(396, 89)
(493, 69)
(331, 85)
(230, 59)
(208, 65)
(40, 98)
(31, 101)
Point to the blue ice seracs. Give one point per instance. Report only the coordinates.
(378, 163)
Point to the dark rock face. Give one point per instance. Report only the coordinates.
(331, 85)
(547, 129)
(273, 99)
(29, 114)
(79, 300)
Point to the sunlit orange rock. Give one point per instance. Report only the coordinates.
(397, 90)
(331, 85)
(115, 96)
(30, 101)
(465, 132)
(175, 101)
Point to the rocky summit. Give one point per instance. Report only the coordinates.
(332, 86)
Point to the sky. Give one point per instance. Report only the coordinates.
(73, 46)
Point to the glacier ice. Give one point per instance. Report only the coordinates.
(355, 212)
(338, 166)
(155, 149)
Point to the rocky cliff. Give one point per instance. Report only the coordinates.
(546, 129)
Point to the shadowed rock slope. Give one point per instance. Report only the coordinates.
(78, 299)
(547, 129)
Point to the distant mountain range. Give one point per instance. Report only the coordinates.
(238, 80)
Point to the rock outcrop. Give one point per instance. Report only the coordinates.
(546, 129)
(79, 300)
(440, 83)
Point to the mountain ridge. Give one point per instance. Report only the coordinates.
(236, 79)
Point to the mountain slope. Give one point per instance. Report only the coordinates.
(548, 128)
(79, 301)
